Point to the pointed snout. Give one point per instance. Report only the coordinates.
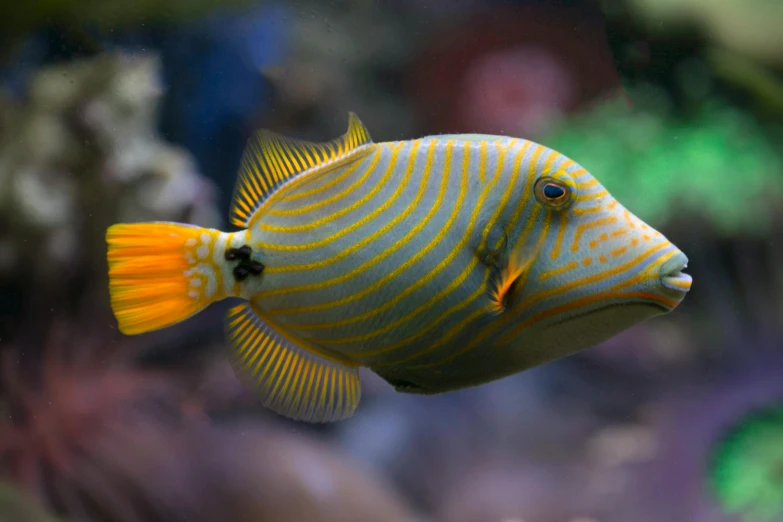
(671, 273)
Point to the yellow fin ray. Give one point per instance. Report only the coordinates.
(298, 382)
(509, 278)
(148, 274)
(270, 160)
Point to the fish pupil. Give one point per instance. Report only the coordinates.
(553, 192)
(246, 266)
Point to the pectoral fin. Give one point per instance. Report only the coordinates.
(508, 278)
(291, 378)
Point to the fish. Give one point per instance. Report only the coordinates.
(438, 263)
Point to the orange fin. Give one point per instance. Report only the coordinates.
(508, 279)
(160, 273)
(291, 377)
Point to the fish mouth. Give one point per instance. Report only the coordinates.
(672, 276)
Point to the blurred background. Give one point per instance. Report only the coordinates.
(127, 110)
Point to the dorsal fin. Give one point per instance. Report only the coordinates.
(270, 160)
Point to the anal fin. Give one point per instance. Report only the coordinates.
(295, 380)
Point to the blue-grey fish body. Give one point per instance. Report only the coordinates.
(439, 263)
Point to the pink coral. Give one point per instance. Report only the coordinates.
(518, 92)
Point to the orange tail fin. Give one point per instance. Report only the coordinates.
(161, 273)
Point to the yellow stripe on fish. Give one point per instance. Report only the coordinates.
(439, 263)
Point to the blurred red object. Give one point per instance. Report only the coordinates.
(91, 434)
(513, 72)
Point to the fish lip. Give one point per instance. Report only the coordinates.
(672, 276)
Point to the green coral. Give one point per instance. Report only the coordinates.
(719, 163)
(747, 467)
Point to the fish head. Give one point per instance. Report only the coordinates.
(595, 269)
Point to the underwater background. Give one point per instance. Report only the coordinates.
(132, 110)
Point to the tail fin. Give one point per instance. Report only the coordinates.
(160, 273)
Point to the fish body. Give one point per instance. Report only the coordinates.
(439, 263)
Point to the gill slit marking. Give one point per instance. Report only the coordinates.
(410, 262)
(457, 281)
(356, 246)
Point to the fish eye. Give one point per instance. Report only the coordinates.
(553, 192)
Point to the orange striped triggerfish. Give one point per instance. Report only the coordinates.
(438, 263)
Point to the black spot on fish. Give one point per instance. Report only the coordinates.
(492, 251)
(243, 253)
(241, 272)
(246, 266)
